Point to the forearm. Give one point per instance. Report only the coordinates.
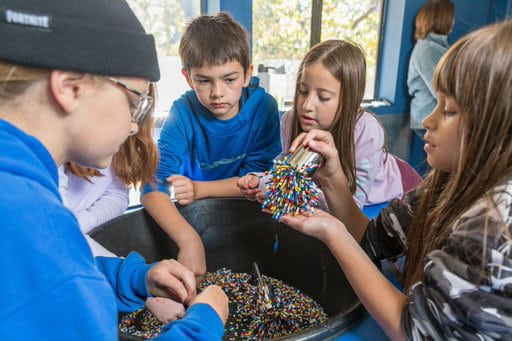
(218, 188)
(342, 205)
(104, 209)
(382, 301)
(167, 216)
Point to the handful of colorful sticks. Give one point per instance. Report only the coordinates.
(291, 189)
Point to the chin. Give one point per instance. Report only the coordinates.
(99, 164)
(305, 128)
(217, 114)
(431, 162)
(442, 166)
(104, 165)
(308, 128)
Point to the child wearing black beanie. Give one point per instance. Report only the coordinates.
(74, 80)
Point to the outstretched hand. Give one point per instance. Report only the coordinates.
(320, 225)
(171, 279)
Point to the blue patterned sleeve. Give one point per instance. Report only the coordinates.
(466, 291)
(386, 235)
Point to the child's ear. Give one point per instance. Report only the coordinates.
(187, 77)
(248, 75)
(66, 88)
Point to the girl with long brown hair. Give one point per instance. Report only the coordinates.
(456, 228)
(328, 96)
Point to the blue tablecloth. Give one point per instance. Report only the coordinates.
(373, 211)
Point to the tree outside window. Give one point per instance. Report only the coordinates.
(282, 34)
(166, 20)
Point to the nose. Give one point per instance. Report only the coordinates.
(429, 121)
(217, 90)
(308, 103)
(425, 121)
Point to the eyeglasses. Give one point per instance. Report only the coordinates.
(143, 105)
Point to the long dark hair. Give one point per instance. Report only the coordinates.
(346, 62)
(476, 72)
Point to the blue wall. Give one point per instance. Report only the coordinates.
(241, 11)
(398, 42)
(396, 47)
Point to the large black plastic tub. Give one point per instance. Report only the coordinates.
(235, 234)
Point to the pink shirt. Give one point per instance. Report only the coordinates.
(378, 178)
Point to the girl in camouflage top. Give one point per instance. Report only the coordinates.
(456, 228)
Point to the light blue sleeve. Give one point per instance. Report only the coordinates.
(426, 64)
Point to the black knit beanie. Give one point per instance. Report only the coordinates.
(91, 36)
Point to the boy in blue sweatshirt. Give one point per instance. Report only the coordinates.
(74, 77)
(222, 129)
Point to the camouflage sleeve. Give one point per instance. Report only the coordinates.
(466, 292)
(385, 237)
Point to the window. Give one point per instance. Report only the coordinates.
(166, 20)
(284, 30)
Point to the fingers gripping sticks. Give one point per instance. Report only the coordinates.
(291, 189)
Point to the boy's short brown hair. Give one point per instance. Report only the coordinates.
(214, 39)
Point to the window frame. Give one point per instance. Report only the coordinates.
(316, 35)
(236, 7)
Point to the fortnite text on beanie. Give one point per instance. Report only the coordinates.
(92, 36)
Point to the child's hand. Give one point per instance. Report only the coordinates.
(320, 225)
(215, 298)
(184, 191)
(248, 185)
(192, 255)
(164, 309)
(171, 279)
(322, 142)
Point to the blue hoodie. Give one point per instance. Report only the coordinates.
(422, 63)
(201, 147)
(50, 285)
